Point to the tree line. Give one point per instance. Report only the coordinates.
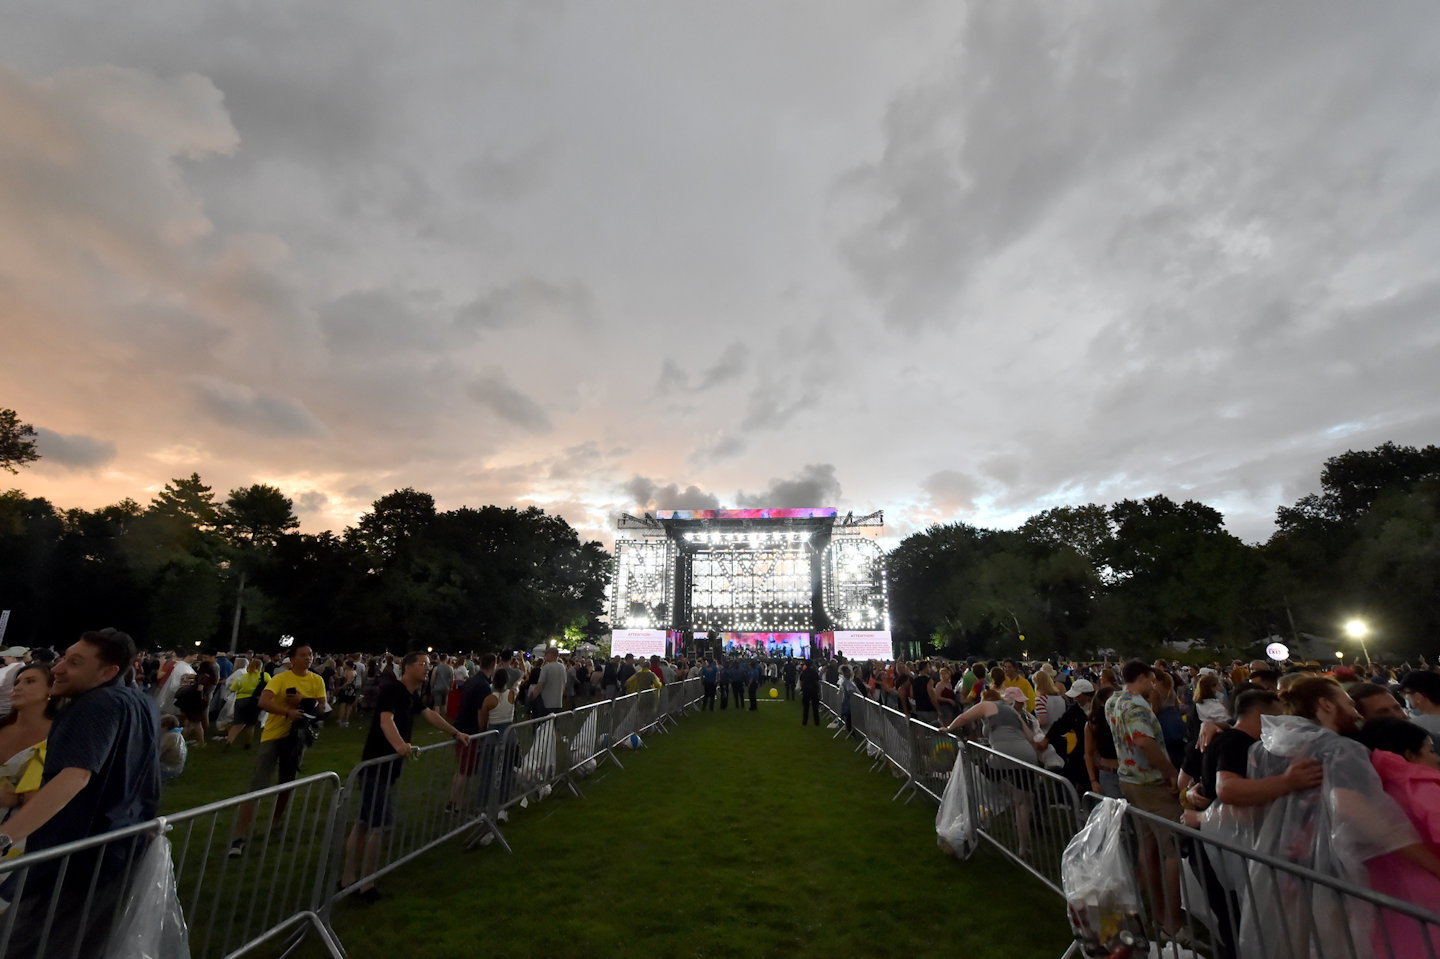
(235, 573)
(1129, 577)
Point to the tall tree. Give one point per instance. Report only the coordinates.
(16, 447)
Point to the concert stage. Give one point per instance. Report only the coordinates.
(783, 581)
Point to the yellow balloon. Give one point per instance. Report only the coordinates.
(774, 693)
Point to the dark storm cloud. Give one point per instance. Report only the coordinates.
(311, 501)
(375, 322)
(262, 413)
(951, 490)
(73, 451)
(644, 493)
(494, 392)
(814, 485)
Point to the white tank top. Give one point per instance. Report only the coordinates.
(504, 710)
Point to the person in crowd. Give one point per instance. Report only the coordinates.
(1422, 690)
(1376, 702)
(945, 690)
(1012, 678)
(500, 717)
(1225, 766)
(23, 734)
(1166, 706)
(1049, 704)
(752, 684)
(176, 674)
(610, 683)
(1264, 675)
(1067, 733)
(847, 690)
(971, 684)
(658, 669)
(1209, 699)
(246, 687)
(809, 693)
(172, 749)
(102, 773)
(547, 695)
(347, 692)
(626, 670)
(440, 678)
(1404, 757)
(709, 675)
(391, 727)
(207, 677)
(1102, 761)
(190, 704)
(737, 682)
(1148, 780)
(472, 717)
(998, 712)
(791, 674)
(643, 679)
(1350, 822)
(282, 743)
(920, 697)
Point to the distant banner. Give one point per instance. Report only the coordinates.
(858, 644)
(642, 643)
(808, 512)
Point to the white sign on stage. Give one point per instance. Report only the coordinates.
(643, 643)
(864, 644)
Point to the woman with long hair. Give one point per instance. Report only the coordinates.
(1101, 760)
(23, 734)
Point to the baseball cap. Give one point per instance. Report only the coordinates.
(1079, 688)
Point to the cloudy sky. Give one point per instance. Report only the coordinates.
(955, 262)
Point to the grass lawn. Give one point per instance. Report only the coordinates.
(738, 834)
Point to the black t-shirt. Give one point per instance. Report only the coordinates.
(405, 705)
(113, 731)
(1229, 752)
(809, 677)
(626, 671)
(920, 692)
(473, 694)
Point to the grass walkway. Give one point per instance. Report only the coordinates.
(736, 835)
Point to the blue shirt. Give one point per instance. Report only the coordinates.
(708, 672)
(225, 666)
(113, 731)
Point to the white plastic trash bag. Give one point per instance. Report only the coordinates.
(1099, 880)
(153, 926)
(954, 826)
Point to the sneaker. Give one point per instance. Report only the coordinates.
(504, 815)
(487, 839)
(237, 848)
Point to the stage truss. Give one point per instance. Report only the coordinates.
(749, 571)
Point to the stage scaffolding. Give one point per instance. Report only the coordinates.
(791, 572)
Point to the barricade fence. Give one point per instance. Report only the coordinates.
(307, 844)
(1222, 899)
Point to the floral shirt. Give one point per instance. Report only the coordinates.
(1131, 719)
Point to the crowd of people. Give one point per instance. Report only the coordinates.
(1326, 768)
(87, 738)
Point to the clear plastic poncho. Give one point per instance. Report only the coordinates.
(1333, 829)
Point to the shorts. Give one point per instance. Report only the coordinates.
(467, 756)
(1012, 773)
(247, 711)
(376, 809)
(283, 754)
(1158, 800)
(345, 699)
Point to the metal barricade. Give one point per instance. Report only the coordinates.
(395, 808)
(1235, 902)
(648, 715)
(899, 747)
(934, 753)
(1026, 811)
(582, 739)
(66, 902)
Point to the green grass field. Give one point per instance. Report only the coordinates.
(737, 834)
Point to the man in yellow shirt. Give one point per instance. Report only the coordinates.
(280, 743)
(1013, 679)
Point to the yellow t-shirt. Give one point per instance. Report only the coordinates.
(244, 684)
(1022, 684)
(311, 686)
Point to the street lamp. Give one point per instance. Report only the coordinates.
(1357, 630)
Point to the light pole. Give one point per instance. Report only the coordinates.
(1356, 629)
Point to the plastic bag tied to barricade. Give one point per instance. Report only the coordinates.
(954, 824)
(153, 926)
(1098, 880)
